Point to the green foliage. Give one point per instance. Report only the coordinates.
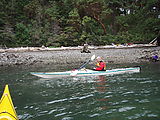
(22, 35)
(75, 22)
(52, 11)
(7, 39)
(86, 38)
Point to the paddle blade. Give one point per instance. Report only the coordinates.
(74, 73)
(93, 57)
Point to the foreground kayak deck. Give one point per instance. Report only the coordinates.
(85, 72)
(7, 110)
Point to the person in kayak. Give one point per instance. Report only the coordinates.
(101, 65)
(155, 58)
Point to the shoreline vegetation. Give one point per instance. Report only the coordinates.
(75, 22)
(31, 56)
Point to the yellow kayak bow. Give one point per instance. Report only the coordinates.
(7, 110)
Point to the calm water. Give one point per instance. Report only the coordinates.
(119, 97)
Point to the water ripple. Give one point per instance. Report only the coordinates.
(138, 115)
(52, 111)
(25, 116)
(61, 114)
(67, 118)
(94, 115)
(73, 98)
(56, 101)
(126, 93)
(123, 109)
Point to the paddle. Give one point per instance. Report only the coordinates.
(82, 66)
(91, 59)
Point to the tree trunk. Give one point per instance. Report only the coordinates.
(100, 22)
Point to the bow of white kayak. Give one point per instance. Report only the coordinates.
(86, 72)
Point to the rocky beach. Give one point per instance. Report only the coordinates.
(73, 55)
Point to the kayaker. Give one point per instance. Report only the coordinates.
(155, 58)
(100, 65)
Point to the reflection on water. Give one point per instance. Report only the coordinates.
(84, 94)
(117, 97)
(101, 86)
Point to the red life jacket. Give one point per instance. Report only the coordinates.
(101, 66)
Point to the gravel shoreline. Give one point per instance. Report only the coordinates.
(59, 57)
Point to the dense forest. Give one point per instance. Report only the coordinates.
(75, 22)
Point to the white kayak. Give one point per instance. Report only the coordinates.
(85, 72)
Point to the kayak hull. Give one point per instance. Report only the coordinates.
(85, 72)
(7, 110)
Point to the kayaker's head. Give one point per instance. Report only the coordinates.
(98, 59)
